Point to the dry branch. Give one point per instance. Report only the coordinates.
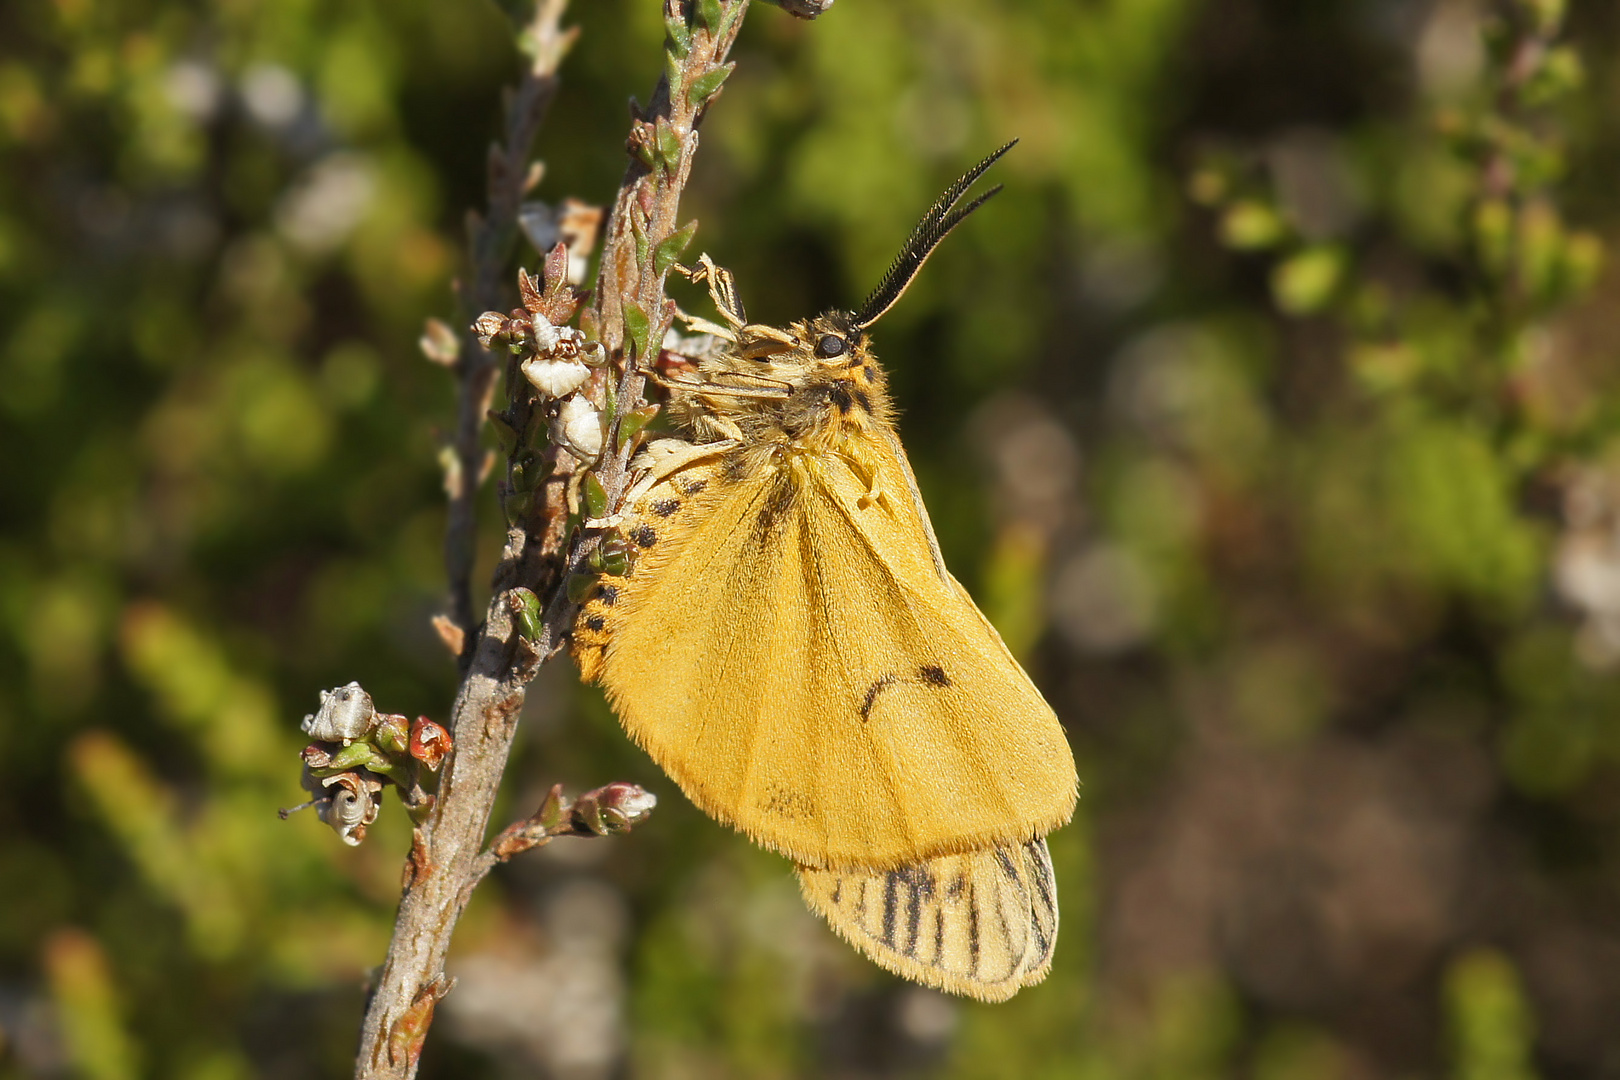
(448, 856)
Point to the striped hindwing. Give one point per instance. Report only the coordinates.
(981, 924)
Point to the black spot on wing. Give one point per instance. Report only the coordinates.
(933, 675)
(691, 487)
(863, 399)
(869, 375)
(644, 536)
(665, 507)
(1008, 869)
(595, 623)
(838, 891)
(608, 594)
(872, 693)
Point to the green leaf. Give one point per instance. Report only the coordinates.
(707, 85)
(550, 812)
(674, 74)
(580, 586)
(596, 500)
(634, 423)
(669, 144)
(709, 13)
(638, 326)
(669, 249)
(517, 504)
(680, 36)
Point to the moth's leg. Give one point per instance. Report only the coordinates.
(746, 386)
(722, 290)
(874, 494)
(699, 325)
(757, 340)
(726, 427)
(666, 457)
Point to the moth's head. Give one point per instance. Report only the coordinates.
(835, 339)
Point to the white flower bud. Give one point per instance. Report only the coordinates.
(487, 325)
(556, 378)
(345, 715)
(578, 429)
(545, 335)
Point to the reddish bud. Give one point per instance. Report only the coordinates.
(429, 742)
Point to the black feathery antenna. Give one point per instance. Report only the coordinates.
(934, 227)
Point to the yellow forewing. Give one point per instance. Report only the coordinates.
(789, 651)
(981, 924)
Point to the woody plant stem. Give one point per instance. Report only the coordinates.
(448, 856)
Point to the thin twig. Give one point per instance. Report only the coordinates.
(645, 217)
(446, 859)
(490, 241)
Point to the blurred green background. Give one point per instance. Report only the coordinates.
(1272, 413)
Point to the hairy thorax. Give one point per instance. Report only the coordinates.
(785, 395)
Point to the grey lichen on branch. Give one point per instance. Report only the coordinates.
(530, 610)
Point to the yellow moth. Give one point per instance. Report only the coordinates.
(788, 645)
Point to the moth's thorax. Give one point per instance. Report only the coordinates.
(828, 397)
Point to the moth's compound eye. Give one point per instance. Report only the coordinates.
(831, 345)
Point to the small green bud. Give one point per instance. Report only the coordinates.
(393, 734)
(610, 561)
(526, 607)
(550, 813)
